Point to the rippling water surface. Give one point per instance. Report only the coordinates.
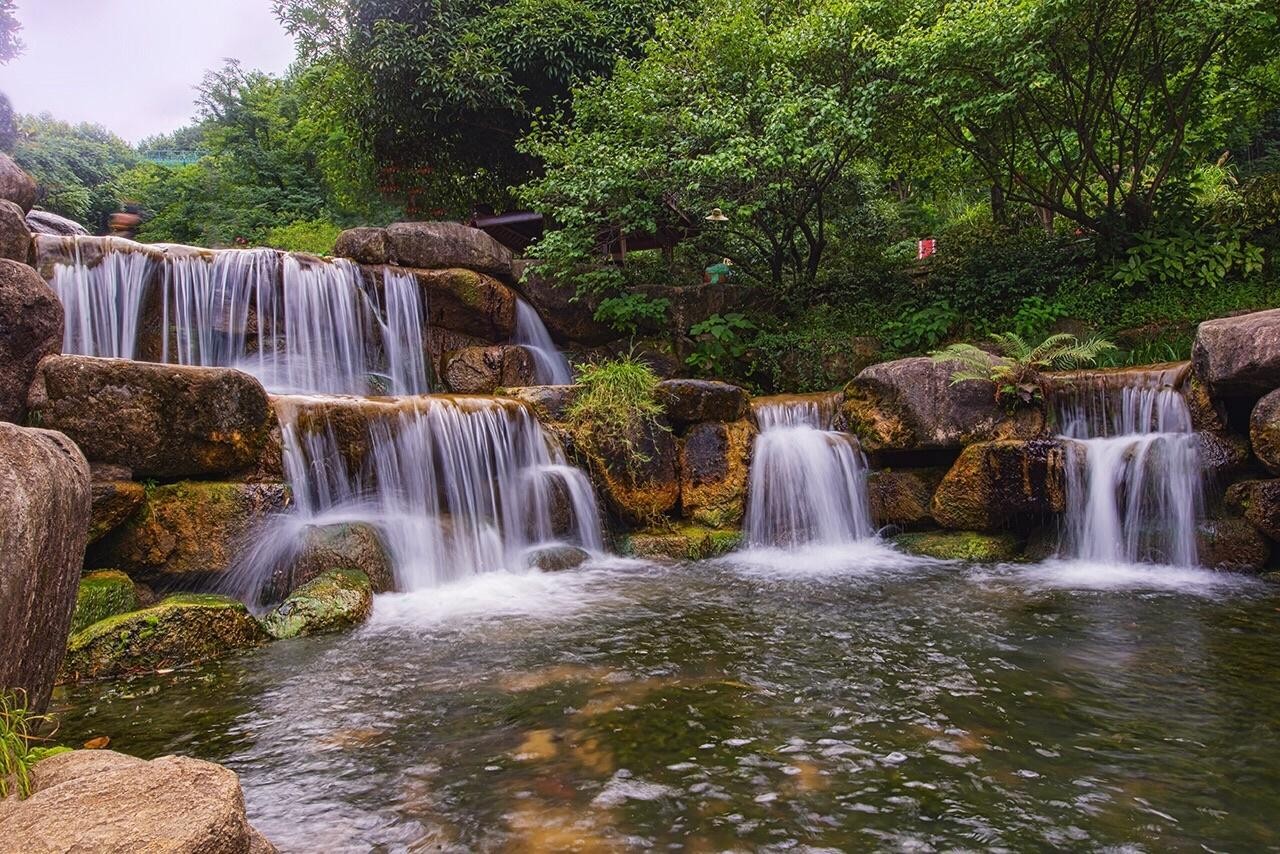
(846, 700)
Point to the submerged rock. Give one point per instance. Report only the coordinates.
(1264, 430)
(30, 329)
(1001, 484)
(903, 497)
(1239, 356)
(183, 629)
(15, 237)
(159, 420)
(715, 463)
(103, 594)
(1231, 544)
(682, 542)
(483, 370)
(961, 545)
(558, 558)
(692, 401)
(1259, 501)
(100, 800)
(44, 523)
(336, 600)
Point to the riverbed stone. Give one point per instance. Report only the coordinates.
(1232, 544)
(715, 464)
(44, 524)
(681, 542)
(1002, 484)
(1264, 431)
(103, 594)
(1259, 502)
(15, 237)
(973, 546)
(693, 401)
(104, 801)
(639, 483)
(354, 546)
(159, 420)
(903, 497)
(336, 600)
(364, 245)
(183, 629)
(30, 329)
(1239, 356)
(483, 370)
(557, 558)
(437, 245)
(16, 185)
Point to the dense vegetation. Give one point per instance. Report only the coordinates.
(1090, 166)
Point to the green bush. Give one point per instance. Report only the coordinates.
(616, 403)
(315, 236)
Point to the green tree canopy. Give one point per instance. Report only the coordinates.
(76, 166)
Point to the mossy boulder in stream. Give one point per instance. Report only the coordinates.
(903, 497)
(961, 545)
(182, 629)
(682, 542)
(996, 485)
(715, 461)
(103, 594)
(338, 599)
(1231, 544)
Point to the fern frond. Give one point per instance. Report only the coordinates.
(1012, 345)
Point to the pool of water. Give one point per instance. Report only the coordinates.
(847, 700)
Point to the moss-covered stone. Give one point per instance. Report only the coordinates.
(103, 594)
(336, 600)
(902, 497)
(961, 545)
(994, 485)
(114, 501)
(640, 483)
(1231, 544)
(182, 629)
(683, 542)
(715, 462)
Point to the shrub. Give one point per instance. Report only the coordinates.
(315, 236)
(616, 403)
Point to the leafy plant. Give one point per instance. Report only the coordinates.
(1198, 258)
(616, 405)
(1034, 316)
(1015, 369)
(920, 329)
(629, 312)
(719, 342)
(17, 750)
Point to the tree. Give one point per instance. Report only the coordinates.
(76, 166)
(11, 44)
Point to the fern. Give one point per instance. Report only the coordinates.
(1016, 366)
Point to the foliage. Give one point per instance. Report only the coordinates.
(629, 312)
(315, 236)
(616, 404)
(18, 751)
(920, 329)
(78, 167)
(11, 44)
(1016, 367)
(720, 342)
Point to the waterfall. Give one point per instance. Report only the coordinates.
(102, 302)
(808, 482)
(1134, 483)
(402, 319)
(550, 365)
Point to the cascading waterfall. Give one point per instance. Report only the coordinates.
(550, 365)
(808, 482)
(1134, 480)
(102, 302)
(402, 320)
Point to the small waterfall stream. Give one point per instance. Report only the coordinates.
(1134, 481)
(102, 302)
(550, 365)
(808, 482)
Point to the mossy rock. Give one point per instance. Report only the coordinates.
(961, 545)
(684, 542)
(336, 600)
(182, 629)
(103, 594)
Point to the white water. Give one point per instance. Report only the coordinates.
(1134, 483)
(102, 304)
(550, 365)
(808, 483)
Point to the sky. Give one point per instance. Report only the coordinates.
(133, 65)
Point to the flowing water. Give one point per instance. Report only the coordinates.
(1134, 481)
(808, 482)
(102, 302)
(550, 365)
(890, 705)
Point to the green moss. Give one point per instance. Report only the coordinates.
(961, 545)
(336, 600)
(102, 594)
(682, 542)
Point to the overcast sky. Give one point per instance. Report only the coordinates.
(132, 65)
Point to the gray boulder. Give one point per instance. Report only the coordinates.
(16, 185)
(46, 222)
(15, 237)
(482, 370)
(692, 401)
(364, 245)
(1264, 431)
(1239, 356)
(30, 329)
(438, 245)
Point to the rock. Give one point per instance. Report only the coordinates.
(100, 800)
(570, 319)
(1207, 414)
(1259, 501)
(439, 245)
(691, 401)
(1231, 544)
(103, 594)
(325, 548)
(715, 462)
(16, 185)
(46, 222)
(114, 501)
(189, 529)
(557, 558)
(30, 329)
(483, 370)
(364, 245)
(548, 402)
(1239, 356)
(961, 545)
(1223, 456)
(159, 420)
(911, 405)
(44, 523)
(903, 497)
(1002, 484)
(337, 600)
(1264, 431)
(469, 303)
(182, 629)
(683, 542)
(642, 482)
(15, 236)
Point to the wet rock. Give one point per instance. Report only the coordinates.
(1207, 414)
(364, 245)
(159, 420)
(15, 237)
(114, 501)
(190, 528)
(103, 594)
(715, 462)
(1259, 502)
(903, 497)
(1239, 356)
(182, 629)
(326, 548)
(640, 483)
(1231, 544)
(44, 523)
(46, 222)
(1223, 456)
(558, 558)
(16, 185)
(911, 405)
(468, 302)
(438, 245)
(548, 402)
(682, 542)
(100, 800)
(30, 329)
(336, 600)
(483, 370)
(995, 485)
(570, 320)
(961, 545)
(1264, 431)
(692, 401)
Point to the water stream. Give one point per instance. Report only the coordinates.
(550, 365)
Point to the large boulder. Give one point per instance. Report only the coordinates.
(158, 420)
(183, 629)
(190, 529)
(1231, 544)
(364, 245)
(1259, 502)
(15, 237)
(715, 462)
(469, 303)
(483, 370)
(1002, 484)
(549, 403)
(46, 222)
(334, 601)
(44, 523)
(114, 501)
(1264, 431)
(438, 245)
(103, 594)
(353, 546)
(903, 497)
(569, 318)
(100, 800)
(912, 405)
(16, 185)
(1239, 356)
(30, 329)
(641, 481)
(692, 401)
